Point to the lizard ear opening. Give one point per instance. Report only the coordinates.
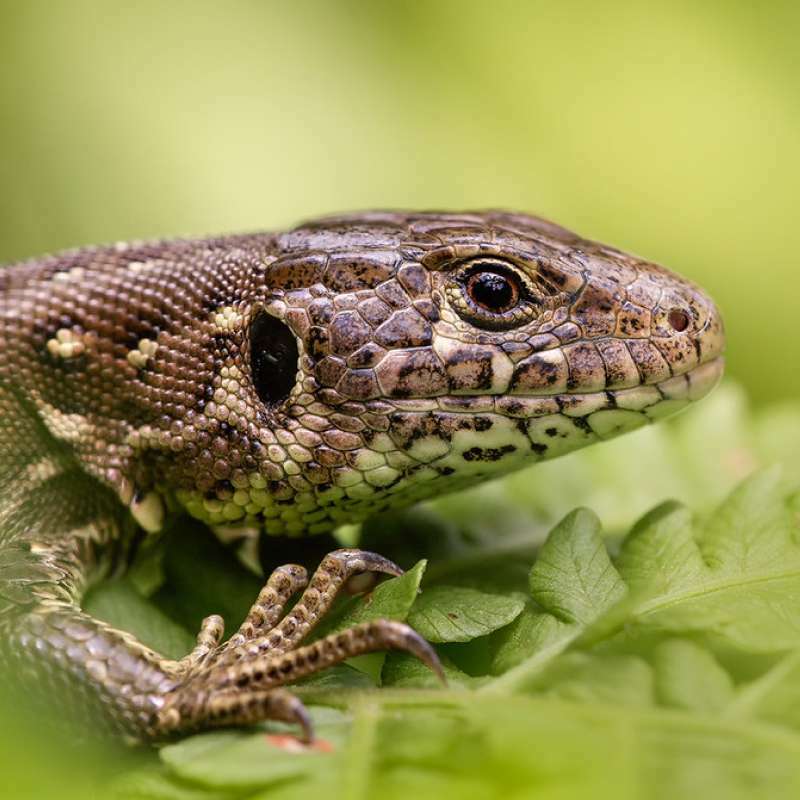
(273, 359)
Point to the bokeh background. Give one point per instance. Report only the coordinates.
(668, 128)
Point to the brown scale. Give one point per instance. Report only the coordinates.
(294, 382)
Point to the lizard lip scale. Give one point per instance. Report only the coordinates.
(292, 382)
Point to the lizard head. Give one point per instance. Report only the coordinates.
(401, 356)
(390, 357)
(300, 380)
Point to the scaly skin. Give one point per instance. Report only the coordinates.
(293, 382)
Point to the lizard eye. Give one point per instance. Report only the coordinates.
(492, 290)
(491, 294)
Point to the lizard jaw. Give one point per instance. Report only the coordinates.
(656, 400)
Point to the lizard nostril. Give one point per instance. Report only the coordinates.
(678, 319)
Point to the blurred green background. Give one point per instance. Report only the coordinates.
(667, 128)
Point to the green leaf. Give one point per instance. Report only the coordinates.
(743, 590)
(204, 577)
(661, 554)
(597, 678)
(492, 551)
(237, 760)
(159, 784)
(688, 676)
(119, 604)
(391, 599)
(342, 676)
(573, 582)
(534, 637)
(573, 577)
(751, 532)
(733, 579)
(773, 696)
(403, 670)
(672, 665)
(454, 745)
(460, 614)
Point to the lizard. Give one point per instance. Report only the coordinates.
(293, 382)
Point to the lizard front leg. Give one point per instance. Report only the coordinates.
(145, 696)
(239, 681)
(65, 660)
(248, 690)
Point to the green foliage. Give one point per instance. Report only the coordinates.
(672, 666)
(590, 655)
(664, 663)
(461, 613)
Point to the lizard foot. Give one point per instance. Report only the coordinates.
(239, 682)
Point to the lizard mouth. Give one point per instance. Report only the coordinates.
(479, 435)
(650, 402)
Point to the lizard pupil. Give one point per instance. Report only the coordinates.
(273, 357)
(493, 291)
